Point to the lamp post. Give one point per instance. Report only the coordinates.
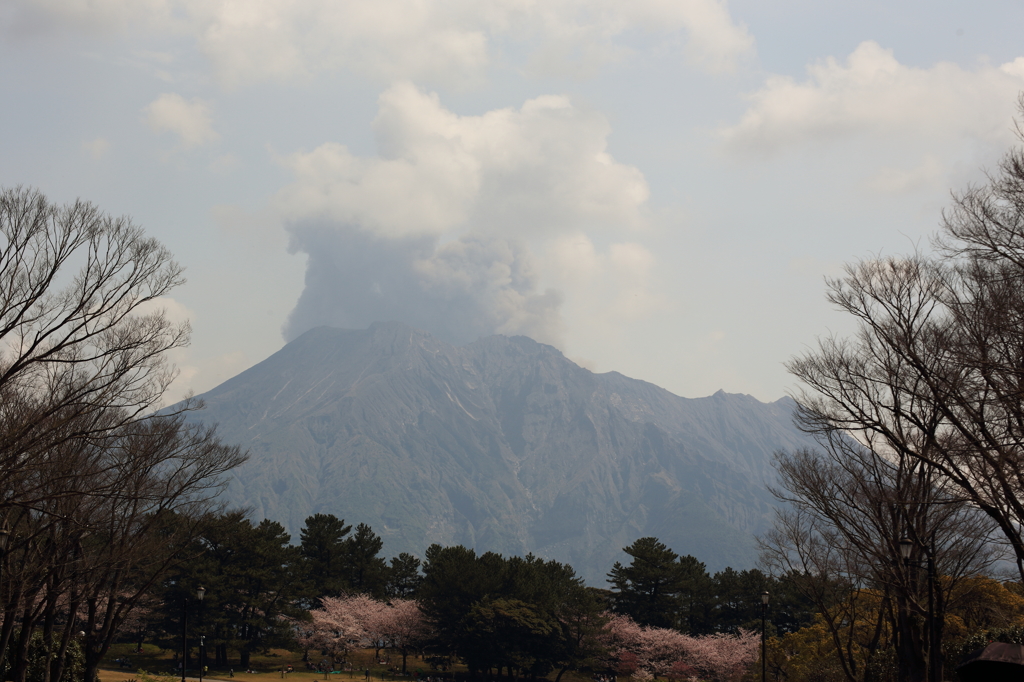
(5, 535)
(200, 593)
(764, 646)
(906, 549)
(184, 636)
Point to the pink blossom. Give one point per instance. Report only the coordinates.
(667, 653)
(402, 623)
(372, 619)
(724, 657)
(345, 622)
(334, 629)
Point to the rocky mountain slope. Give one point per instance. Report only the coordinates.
(503, 444)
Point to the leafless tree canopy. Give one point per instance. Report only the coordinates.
(77, 359)
(98, 491)
(936, 370)
(848, 509)
(920, 415)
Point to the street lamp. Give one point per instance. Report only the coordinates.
(5, 535)
(184, 636)
(764, 646)
(906, 549)
(200, 593)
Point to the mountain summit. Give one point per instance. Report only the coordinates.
(503, 444)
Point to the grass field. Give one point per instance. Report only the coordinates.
(158, 663)
(155, 664)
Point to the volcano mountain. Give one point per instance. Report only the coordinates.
(503, 444)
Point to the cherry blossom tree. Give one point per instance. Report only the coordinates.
(622, 634)
(681, 671)
(345, 622)
(662, 652)
(724, 657)
(404, 626)
(334, 629)
(661, 649)
(627, 663)
(372, 618)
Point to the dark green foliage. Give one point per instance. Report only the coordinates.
(323, 549)
(738, 598)
(661, 589)
(955, 652)
(253, 581)
(790, 608)
(404, 576)
(526, 615)
(508, 633)
(334, 564)
(41, 654)
(454, 580)
(364, 571)
(695, 600)
(582, 617)
(257, 583)
(649, 589)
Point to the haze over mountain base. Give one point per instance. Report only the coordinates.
(503, 444)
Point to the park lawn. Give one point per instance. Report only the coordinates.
(158, 665)
(158, 662)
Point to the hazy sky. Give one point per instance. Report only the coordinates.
(657, 187)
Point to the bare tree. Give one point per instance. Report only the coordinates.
(98, 491)
(932, 383)
(77, 359)
(936, 371)
(838, 539)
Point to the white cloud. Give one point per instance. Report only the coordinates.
(531, 171)
(247, 225)
(470, 225)
(225, 163)
(97, 148)
(171, 309)
(177, 313)
(930, 171)
(92, 16)
(873, 94)
(445, 41)
(189, 120)
(606, 289)
(163, 58)
(715, 42)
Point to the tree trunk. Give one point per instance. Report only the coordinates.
(8, 627)
(92, 663)
(20, 654)
(66, 637)
(222, 655)
(46, 639)
(909, 649)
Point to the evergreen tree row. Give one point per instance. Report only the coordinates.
(257, 584)
(659, 588)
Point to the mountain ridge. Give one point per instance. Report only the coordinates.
(502, 444)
